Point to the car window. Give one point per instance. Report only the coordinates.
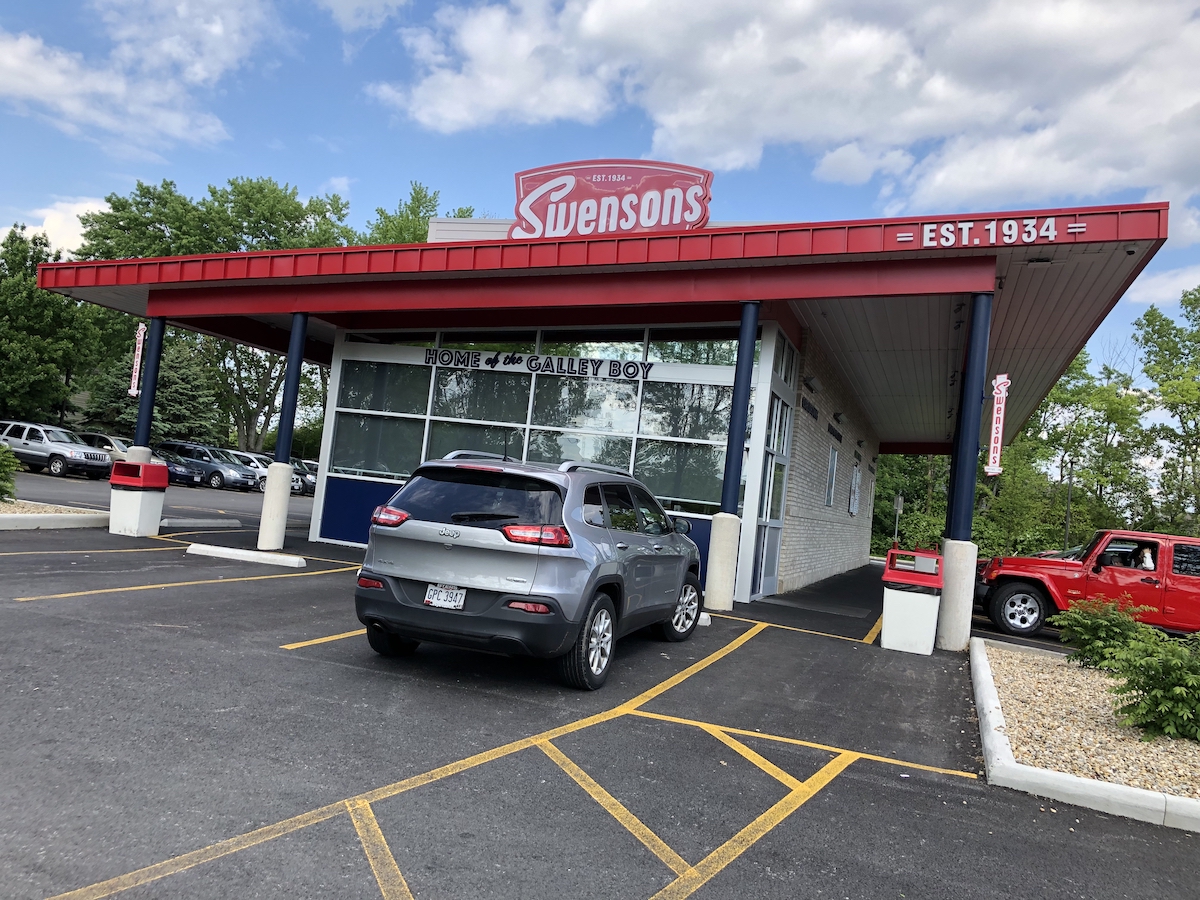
(34, 435)
(1187, 560)
(62, 436)
(1133, 554)
(593, 507)
(622, 516)
(119, 444)
(654, 520)
(14, 432)
(479, 498)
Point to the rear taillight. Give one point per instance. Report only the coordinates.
(373, 583)
(549, 535)
(527, 606)
(389, 516)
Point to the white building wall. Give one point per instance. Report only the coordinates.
(819, 540)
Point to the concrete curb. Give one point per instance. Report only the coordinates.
(46, 521)
(200, 523)
(1004, 770)
(257, 556)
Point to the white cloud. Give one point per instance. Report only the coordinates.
(1164, 288)
(144, 94)
(338, 184)
(947, 104)
(355, 15)
(60, 220)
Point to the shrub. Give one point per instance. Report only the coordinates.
(1098, 627)
(8, 465)
(1159, 685)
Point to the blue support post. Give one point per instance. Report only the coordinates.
(291, 387)
(965, 463)
(738, 416)
(149, 382)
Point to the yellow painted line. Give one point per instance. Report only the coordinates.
(840, 637)
(762, 762)
(391, 883)
(232, 845)
(203, 855)
(86, 552)
(173, 584)
(874, 632)
(786, 740)
(323, 640)
(617, 810)
(695, 878)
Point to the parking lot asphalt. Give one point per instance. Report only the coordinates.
(158, 738)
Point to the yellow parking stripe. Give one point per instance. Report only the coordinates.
(761, 761)
(695, 878)
(391, 883)
(173, 584)
(617, 810)
(840, 637)
(874, 632)
(323, 640)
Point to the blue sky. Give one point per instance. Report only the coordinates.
(806, 110)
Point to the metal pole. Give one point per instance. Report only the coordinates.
(970, 417)
(291, 388)
(743, 376)
(141, 435)
(1070, 482)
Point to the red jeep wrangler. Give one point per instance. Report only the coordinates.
(1160, 571)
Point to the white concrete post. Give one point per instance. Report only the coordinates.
(137, 454)
(958, 595)
(273, 524)
(722, 561)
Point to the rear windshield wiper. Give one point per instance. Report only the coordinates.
(481, 516)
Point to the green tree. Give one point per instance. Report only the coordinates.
(409, 224)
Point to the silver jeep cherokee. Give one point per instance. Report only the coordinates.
(526, 559)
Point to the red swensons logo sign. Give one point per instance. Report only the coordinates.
(606, 196)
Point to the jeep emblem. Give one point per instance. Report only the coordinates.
(449, 532)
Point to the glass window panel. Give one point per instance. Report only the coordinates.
(654, 520)
(375, 445)
(593, 509)
(476, 394)
(832, 476)
(447, 436)
(599, 403)
(394, 338)
(504, 341)
(686, 410)
(389, 387)
(622, 516)
(559, 446)
(674, 470)
(1187, 560)
(697, 346)
(778, 490)
(623, 344)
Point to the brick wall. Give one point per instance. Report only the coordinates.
(819, 540)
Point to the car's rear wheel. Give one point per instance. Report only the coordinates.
(686, 613)
(588, 662)
(387, 644)
(58, 466)
(216, 481)
(1019, 609)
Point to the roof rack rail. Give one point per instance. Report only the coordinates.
(572, 464)
(473, 454)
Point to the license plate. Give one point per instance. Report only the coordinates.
(445, 596)
(196, 478)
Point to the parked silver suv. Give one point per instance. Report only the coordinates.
(526, 559)
(57, 449)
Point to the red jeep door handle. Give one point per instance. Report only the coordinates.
(1149, 581)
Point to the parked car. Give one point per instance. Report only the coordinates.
(525, 559)
(57, 449)
(117, 448)
(1157, 571)
(220, 469)
(308, 475)
(180, 470)
(260, 463)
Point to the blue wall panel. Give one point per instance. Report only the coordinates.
(346, 515)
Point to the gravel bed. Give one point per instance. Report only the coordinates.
(18, 507)
(1060, 716)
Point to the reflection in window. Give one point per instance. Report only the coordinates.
(593, 509)
(778, 490)
(672, 469)
(621, 514)
(559, 446)
(698, 411)
(653, 519)
(598, 403)
(1187, 560)
(832, 476)
(376, 445)
(504, 341)
(476, 394)
(622, 344)
(384, 386)
(697, 346)
(447, 436)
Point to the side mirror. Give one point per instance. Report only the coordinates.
(681, 526)
(1104, 559)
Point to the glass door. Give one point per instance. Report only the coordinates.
(772, 498)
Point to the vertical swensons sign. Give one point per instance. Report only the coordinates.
(610, 196)
(1000, 385)
(137, 360)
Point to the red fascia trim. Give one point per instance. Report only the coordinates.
(885, 278)
(917, 448)
(603, 316)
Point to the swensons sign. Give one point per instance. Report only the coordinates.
(610, 196)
